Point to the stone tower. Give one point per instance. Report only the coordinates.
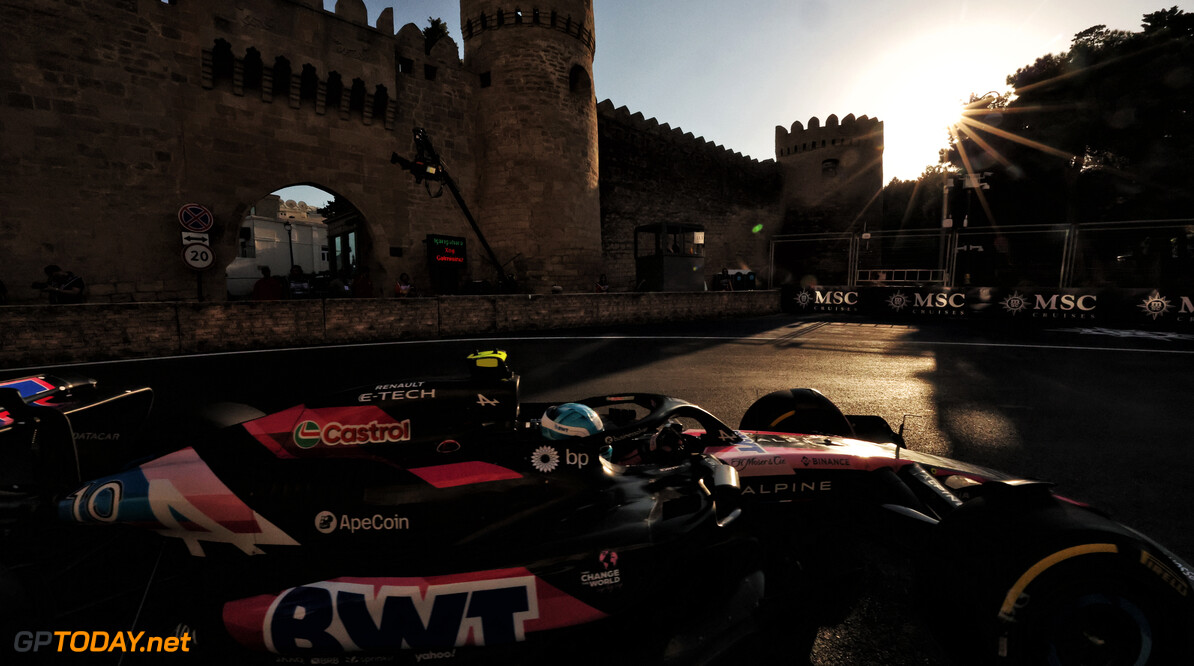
(832, 174)
(537, 198)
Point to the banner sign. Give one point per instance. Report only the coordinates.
(1162, 309)
(445, 251)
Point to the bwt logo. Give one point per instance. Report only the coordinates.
(337, 616)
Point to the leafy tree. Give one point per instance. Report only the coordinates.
(1101, 132)
(436, 30)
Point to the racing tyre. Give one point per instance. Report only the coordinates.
(1019, 577)
(1095, 613)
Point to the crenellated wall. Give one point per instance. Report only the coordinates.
(652, 172)
(116, 114)
(833, 173)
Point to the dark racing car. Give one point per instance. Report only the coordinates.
(424, 519)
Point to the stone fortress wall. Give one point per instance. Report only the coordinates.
(652, 172)
(116, 113)
(833, 173)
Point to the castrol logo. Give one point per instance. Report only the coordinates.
(309, 434)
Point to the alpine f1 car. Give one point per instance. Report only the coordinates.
(438, 519)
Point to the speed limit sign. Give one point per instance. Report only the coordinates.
(197, 256)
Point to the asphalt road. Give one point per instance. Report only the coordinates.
(1105, 415)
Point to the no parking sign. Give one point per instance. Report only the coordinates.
(195, 217)
(197, 220)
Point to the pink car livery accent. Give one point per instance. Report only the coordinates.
(464, 473)
(179, 496)
(364, 614)
(792, 453)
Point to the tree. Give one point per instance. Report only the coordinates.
(436, 30)
(1101, 132)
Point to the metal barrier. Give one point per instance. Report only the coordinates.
(1128, 254)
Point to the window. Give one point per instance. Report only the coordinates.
(247, 249)
(486, 80)
(829, 169)
(578, 80)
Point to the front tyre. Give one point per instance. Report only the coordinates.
(1092, 614)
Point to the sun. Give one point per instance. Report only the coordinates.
(919, 90)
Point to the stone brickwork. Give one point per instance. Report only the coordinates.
(832, 174)
(116, 113)
(44, 334)
(537, 137)
(651, 172)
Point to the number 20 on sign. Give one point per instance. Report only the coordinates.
(197, 256)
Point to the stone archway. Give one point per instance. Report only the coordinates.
(318, 250)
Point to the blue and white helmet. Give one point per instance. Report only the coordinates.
(569, 420)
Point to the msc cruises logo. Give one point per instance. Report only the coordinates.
(1015, 303)
(1155, 305)
(804, 298)
(898, 301)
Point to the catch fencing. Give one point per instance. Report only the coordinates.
(1137, 273)
(1136, 254)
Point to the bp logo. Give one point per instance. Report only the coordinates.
(1155, 305)
(1015, 303)
(545, 459)
(897, 301)
(307, 434)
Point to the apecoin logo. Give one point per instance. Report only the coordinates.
(325, 522)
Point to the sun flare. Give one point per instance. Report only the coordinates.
(919, 91)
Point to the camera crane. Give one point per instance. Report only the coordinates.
(427, 167)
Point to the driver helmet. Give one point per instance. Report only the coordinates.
(569, 420)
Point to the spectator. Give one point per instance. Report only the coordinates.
(63, 286)
(403, 288)
(267, 288)
(341, 285)
(362, 285)
(300, 284)
(723, 281)
(602, 286)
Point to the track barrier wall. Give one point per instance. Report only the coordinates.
(1141, 309)
(52, 334)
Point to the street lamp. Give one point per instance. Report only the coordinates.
(290, 243)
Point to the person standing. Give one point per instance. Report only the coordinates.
(268, 288)
(300, 284)
(362, 284)
(64, 286)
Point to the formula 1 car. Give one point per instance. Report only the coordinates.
(428, 519)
